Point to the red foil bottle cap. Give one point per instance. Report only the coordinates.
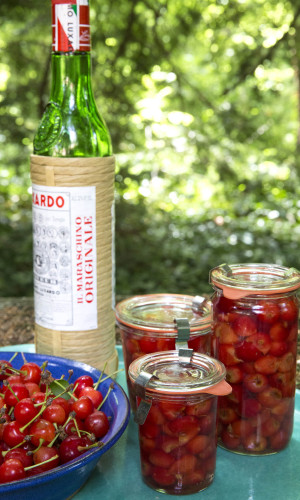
(70, 26)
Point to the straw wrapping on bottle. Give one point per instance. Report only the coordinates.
(94, 346)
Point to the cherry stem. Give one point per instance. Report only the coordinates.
(13, 357)
(44, 366)
(12, 370)
(55, 438)
(106, 395)
(14, 448)
(76, 427)
(113, 373)
(41, 442)
(101, 375)
(23, 356)
(98, 444)
(65, 390)
(72, 417)
(42, 463)
(12, 391)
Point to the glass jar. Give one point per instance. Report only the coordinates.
(255, 328)
(147, 325)
(177, 398)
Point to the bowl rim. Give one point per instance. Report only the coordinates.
(91, 455)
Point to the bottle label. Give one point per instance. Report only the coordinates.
(65, 265)
(70, 26)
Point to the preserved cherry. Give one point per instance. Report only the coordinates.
(178, 438)
(254, 336)
(147, 325)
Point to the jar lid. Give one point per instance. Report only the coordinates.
(240, 280)
(169, 373)
(157, 312)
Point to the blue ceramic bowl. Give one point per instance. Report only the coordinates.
(64, 481)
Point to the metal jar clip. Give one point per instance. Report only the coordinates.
(183, 329)
(140, 390)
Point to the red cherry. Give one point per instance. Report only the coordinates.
(64, 403)
(270, 397)
(227, 415)
(32, 388)
(278, 332)
(45, 453)
(261, 341)
(185, 425)
(250, 408)
(288, 309)
(171, 410)
(228, 355)
(38, 397)
(256, 382)
(234, 375)
(83, 407)
(11, 470)
(159, 458)
(163, 477)
(81, 382)
(247, 351)
(279, 440)
(184, 465)
(287, 363)
(155, 416)
(42, 429)
(18, 391)
(31, 372)
(224, 305)
(270, 427)
(230, 440)
(278, 348)
(149, 430)
(225, 333)
(20, 454)
(267, 364)
(25, 411)
(244, 326)
(94, 395)
(255, 443)
(70, 428)
(196, 477)
(199, 409)
(241, 428)
(267, 311)
(148, 344)
(236, 395)
(12, 435)
(55, 413)
(198, 444)
(97, 423)
(68, 449)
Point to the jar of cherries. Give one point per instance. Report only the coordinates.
(146, 324)
(177, 398)
(255, 328)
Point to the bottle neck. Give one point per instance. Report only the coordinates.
(71, 79)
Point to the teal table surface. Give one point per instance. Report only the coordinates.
(238, 477)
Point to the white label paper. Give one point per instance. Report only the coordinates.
(65, 263)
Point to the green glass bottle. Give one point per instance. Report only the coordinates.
(72, 172)
(71, 125)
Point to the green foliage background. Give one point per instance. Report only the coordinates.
(201, 99)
